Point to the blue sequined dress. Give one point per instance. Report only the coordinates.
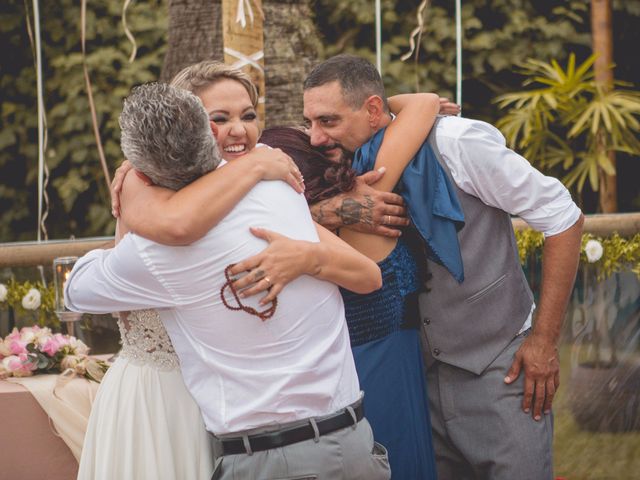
(386, 347)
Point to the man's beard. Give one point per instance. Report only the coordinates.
(345, 155)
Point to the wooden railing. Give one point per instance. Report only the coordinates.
(27, 254)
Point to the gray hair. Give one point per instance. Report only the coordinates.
(358, 79)
(167, 136)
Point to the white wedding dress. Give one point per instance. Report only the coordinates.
(144, 424)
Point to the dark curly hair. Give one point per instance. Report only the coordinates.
(323, 178)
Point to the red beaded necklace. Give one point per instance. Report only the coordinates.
(264, 315)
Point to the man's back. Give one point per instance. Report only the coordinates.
(242, 371)
(293, 360)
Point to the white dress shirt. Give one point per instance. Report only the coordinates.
(482, 165)
(243, 372)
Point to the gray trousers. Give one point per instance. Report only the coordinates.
(479, 428)
(346, 454)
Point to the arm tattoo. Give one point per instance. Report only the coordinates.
(348, 211)
(351, 211)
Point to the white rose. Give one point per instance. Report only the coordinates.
(27, 335)
(594, 250)
(43, 335)
(8, 360)
(3, 292)
(31, 300)
(78, 346)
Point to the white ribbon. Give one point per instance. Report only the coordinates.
(245, 59)
(128, 33)
(241, 18)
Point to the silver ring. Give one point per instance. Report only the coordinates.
(268, 281)
(388, 220)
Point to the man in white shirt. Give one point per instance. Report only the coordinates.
(276, 386)
(478, 335)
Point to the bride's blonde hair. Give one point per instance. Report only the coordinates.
(199, 76)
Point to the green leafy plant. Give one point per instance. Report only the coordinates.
(566, 123)
(616, 253)
(42, 305)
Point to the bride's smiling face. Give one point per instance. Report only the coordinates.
(230, 108)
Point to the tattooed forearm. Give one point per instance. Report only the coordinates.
(351, 211)
(342, 210)
(324, 214)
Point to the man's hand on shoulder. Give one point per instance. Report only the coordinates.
(364, 209)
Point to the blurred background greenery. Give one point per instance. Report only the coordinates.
(498, 36)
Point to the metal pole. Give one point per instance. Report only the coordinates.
(379, 37)
(458, 53)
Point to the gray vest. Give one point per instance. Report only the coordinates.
(467, 325)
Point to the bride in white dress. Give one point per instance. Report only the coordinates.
(144, 424)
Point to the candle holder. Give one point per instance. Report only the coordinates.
(62, 267)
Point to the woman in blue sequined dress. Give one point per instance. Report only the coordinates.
(382, 325)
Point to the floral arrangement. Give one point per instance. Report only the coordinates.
(30, 297)
(35, 349)
(609, 255)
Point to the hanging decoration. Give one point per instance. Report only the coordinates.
(43, 171)
(244, 7)
(92, 107)
(414, 46)
(244, 42)
(127, 32)
(414, 43)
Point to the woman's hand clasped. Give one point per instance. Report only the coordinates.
(118, 181)
(272, 269)
(274, 164)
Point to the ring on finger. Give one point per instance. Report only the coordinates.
(388, 222)
(268, 281)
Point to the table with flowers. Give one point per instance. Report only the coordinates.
(47, 385)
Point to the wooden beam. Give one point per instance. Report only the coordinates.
(243, 38)
(30, 254)
(602, 225)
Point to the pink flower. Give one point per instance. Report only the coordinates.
(14, 335)
(50, 347)
(62, 340)
(18, 366)
(17, 347)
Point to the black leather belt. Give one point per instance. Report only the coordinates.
(288, 436)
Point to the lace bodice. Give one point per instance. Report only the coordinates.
(145, 341)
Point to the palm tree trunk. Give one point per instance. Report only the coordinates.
(291, 47)
(603, 47)
(195, 34)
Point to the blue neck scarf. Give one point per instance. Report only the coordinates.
(431, 199)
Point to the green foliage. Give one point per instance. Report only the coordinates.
(528, 241)
(567, 122)
(45, 312)
(618, 253)
(496, 33)
(79, 203)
